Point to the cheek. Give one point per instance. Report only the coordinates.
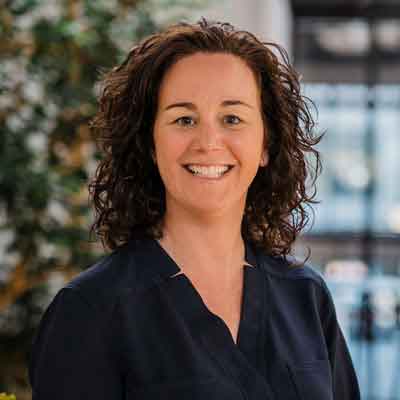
(169, 149)
(248, 149)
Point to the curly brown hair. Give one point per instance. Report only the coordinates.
(127, 190)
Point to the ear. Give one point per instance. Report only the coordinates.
(153, 157)
(264, 159)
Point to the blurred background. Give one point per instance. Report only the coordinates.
(348, 53)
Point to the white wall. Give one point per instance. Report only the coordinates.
(271, 20)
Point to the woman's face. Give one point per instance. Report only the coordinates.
(208, 134)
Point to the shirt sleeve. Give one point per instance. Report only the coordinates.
(70, 358)
(345, 383)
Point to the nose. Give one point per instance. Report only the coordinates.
(209, 138)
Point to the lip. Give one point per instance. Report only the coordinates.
(230, 167)
(209, 164)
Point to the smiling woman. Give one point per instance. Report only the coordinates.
(218, 136)
(200, 194)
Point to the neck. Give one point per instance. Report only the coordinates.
(214, 248)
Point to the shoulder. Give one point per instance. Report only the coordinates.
(112, 276)
(290, 275)
(288, 268)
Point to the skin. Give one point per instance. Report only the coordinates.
(203, 216)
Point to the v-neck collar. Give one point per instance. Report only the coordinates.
(245, 360)
(160, 266)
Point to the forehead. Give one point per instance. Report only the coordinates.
(215, 75)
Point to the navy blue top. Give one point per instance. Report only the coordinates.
(127, 328)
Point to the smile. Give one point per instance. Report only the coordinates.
(209, 171)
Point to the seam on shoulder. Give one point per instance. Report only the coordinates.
(77, 290)
(292, 274)
(317, 280)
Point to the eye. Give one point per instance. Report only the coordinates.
(232, 120)
(185, 121)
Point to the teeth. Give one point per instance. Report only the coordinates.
(213, 171)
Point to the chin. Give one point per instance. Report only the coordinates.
(211, 208)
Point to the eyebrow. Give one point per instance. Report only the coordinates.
(192, 107)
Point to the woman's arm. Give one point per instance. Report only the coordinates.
(70, 356)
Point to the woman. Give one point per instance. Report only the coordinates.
(200, 195)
